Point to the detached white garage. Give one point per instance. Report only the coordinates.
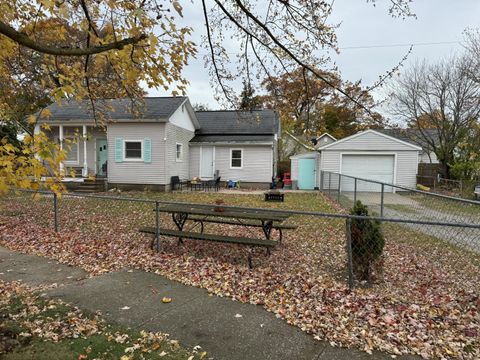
(374, 156)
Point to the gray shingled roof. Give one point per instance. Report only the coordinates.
(225, 122)
(412, 136)
(248, 138)
(153, 108)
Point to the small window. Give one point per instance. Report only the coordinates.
(133, 150)
(179, 152)
(236, 160)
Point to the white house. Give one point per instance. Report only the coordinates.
(164, 137)
(368, 154)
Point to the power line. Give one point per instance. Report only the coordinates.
(400, 45)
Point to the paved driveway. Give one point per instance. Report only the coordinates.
(397, 206)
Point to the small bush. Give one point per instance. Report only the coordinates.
(367, 244)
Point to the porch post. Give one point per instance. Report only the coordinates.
(60, 138)
(85, 165)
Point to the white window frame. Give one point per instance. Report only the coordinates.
(181, 152)
(241, 158)
(125, 158)
(74, 140)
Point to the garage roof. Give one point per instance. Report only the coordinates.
(358, 144)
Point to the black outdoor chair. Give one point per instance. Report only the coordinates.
(213, 184)
(176, 183)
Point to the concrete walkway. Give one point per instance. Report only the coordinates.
(224, 328)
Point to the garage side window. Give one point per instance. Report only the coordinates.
(236, 158)
(133, 150)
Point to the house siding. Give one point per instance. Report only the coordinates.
(369, 141)
(130, 172)
(183, 136)
(258, 162)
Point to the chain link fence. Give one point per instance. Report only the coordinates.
(352, 248)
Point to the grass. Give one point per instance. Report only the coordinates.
(402, 208)
(32, 327)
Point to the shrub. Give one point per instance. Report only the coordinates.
(367, 244)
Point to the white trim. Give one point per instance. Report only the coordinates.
(241, 159)
(85, 163)
(326, 134)
(390, 153)
(181, 152)
(307, 155)
(125, 159)
(219, 143)
(367, 132)
(60, 138)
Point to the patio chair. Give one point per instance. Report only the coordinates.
(176, 183)
(213, 184)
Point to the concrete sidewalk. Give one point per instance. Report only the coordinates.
(224, 328)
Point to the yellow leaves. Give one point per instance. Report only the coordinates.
(46, 113)
(166, 300)
(32, 119)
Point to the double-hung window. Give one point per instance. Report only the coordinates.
(179, 152)
(236, 158)
(133, 150)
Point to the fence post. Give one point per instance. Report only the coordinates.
(157, 226)
(348, 229)
(55, 211)
(339, 187)
(382, 200)
(354, 191)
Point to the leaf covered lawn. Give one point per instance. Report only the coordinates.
(421, 306)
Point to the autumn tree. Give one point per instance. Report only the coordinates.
(440, 101)
(140, 42)
(309, 107)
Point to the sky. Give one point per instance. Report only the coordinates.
(371, 42)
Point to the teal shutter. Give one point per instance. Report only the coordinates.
(118, 149)
(147, 150)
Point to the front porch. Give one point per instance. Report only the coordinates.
(86, 149)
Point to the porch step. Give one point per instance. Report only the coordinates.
(88, 186)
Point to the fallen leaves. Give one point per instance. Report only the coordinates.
(421, 307)
(166, 300)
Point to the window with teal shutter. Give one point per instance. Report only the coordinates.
(147, 150)
(118, 149)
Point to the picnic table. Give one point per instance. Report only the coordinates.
(201, 214)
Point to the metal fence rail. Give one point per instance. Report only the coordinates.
(395, 201)
(334, 234)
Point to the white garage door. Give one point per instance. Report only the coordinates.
(373, 167)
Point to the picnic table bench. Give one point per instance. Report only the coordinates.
(199, 214)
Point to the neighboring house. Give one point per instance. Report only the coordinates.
(368, 154)
(323, 140)
(145, 148)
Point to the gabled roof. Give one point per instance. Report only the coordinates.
(231, 122)
(153, 109)
(328, 135)
(370, 131)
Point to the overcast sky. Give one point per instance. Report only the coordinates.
(371, 41)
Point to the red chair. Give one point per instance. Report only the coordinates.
(286, 179)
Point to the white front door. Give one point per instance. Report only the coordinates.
(206, 162)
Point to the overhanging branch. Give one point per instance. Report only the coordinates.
(24, 40)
